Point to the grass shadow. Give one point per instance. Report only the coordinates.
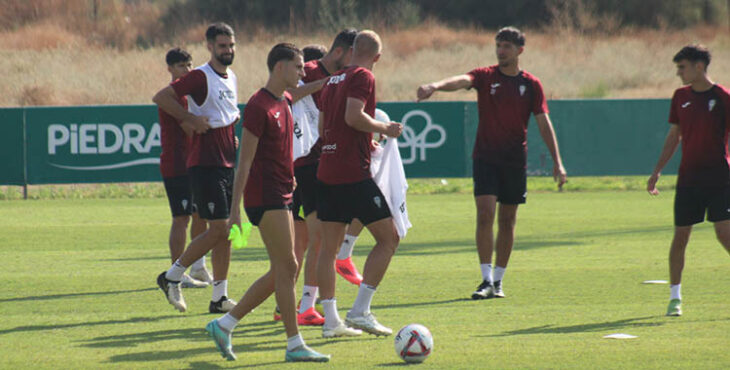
(73, 295)
(426, 303)
(135, 320)
(581, 328)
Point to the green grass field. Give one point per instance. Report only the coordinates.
(78, 290)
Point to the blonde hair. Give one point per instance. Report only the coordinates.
(367, 43)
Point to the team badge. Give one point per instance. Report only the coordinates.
(185, 203)
(522, 90)
(211, 207)
(711, 104)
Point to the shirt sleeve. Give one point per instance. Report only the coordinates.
(361, 86)
(539, 103)
(193, 84)
(673, 116)
(477, 78)
(254, 119)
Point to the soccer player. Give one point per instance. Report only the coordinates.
(346, 189)
(176, 180)
(213, 112)
(305, 171)
(265, 180)
(699, 117)
(506, 96)
(314, 51)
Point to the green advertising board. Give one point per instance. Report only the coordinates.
(11, 146)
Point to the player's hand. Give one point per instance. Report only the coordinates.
(187, 128)
(199, 124)
(295, 184)
(393, 129)
(651, 184)
(424, 92)
(234, 218)
(235, 142)
(560, 176)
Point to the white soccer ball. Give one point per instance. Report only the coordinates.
(413, 343)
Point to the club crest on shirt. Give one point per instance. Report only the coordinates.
(522, 90)
(211, 207)
(494, 88)
(185, 203)
(377, 201)
(711, 104)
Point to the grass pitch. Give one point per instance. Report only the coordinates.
(78, 290)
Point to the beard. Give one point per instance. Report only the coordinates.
(225, 59)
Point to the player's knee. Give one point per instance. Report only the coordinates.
(218, 232)
(180, 221)
(507, 223)
(287, 267)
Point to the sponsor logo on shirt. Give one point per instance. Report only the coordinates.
(334, 80)
(329, 147)
(494, 88)
(297, 130)
(225, 94)
(711, 105)
(685, 105)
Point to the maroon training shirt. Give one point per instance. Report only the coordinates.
(314, 70)
(704, 120)
(345, 151)
(271, 180)
(216, 147)
(505, 104)
(174, 144)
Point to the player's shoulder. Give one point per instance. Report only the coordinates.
(722, 90)
(682, 91)
(258, 99)
(361, 72)
(529, 76)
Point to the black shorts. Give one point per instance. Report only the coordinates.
(692, 203)
(305, 195)
(509, 184)
(255, 214)
(212, 190)
(179, 195)
(341, 203)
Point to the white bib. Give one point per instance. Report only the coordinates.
(221, 103)
(306, 122)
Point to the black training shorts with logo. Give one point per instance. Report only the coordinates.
(255, 214)
(341, 203)
(179, 195)
(508, 183)
(691, 203)
(212, 191)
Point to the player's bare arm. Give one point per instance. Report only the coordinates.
(249, 143)
(356, 118)
(670, 146)
(166, 99)
(450, 84)
(302, 91)
(548, 136)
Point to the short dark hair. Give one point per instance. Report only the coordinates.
(177, 55)
(344, 39)
(511, 34)
(283, 51)
(216, 29)
(694, 53)
(312, 52)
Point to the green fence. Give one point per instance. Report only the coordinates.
(122, 143)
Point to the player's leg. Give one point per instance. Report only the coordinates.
(689, 209)
(372, 209)
(486, 187)
(198, 270)
(308, 315)
(506, 221)
(344, 265)
(722, 231)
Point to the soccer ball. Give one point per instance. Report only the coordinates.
(413, 343)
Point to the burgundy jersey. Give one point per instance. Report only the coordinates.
(314, 70)
(216, 147)
(704, 120)
(271, 180)
(505, 104)
(174, 144)
(345, 151)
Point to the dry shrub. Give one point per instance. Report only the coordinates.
(39, 36)
(36, 95)
(433, 35)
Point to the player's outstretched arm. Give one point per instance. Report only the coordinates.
(302, 91)
(356, 118)
(548, 136)
(670, 146)
(450, 84)
(249, 143)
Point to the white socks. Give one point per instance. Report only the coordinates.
(199, 264)
(309, 296)
(486, 271)
(220, 289)
(346, 247)
(331, 317)
(676, 291)
(294, 342)
(361, 306)
(176, 271)
(227, 322)
(498, 273)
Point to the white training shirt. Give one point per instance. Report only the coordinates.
(221, 103)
